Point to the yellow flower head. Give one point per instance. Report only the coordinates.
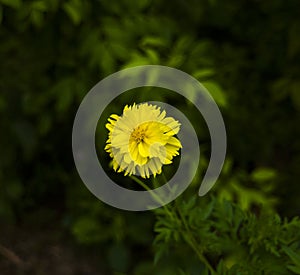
(141, 140)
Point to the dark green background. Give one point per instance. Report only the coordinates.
(246, 53)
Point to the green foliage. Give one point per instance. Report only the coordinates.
(246, 53)
(12, 3)
(295, 258)
(228, 240)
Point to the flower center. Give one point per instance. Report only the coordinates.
(138, 134)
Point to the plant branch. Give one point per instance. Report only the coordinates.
(192, 242)
(155, 196)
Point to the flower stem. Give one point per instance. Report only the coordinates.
(192, 242)
(155, 196)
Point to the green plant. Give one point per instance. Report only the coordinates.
(227, 239)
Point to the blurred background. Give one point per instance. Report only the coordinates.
(246, 53)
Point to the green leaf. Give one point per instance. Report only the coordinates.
(204, 73)
(153, 56)
(160, 252)
(295, 257)
(295, 269)
(153, 41)
(137, 60)
(227, 167)
(207, 210)
(86, 230)
(221, 269)
(216, 92)
(190, 204)
(36, 18)
(263, 174)
(39, 5)
(12, 3)
(73, 12)
(175, 60)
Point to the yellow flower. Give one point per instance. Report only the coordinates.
(141, 140)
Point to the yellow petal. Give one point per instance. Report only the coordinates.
(142, 171)
(175, 142)
(141, 160)
(152, 167)
(127, 158)
(133, 149)
(114, 116)
(143, 149)
(109, 126)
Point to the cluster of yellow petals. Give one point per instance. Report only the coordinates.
(141, 140)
